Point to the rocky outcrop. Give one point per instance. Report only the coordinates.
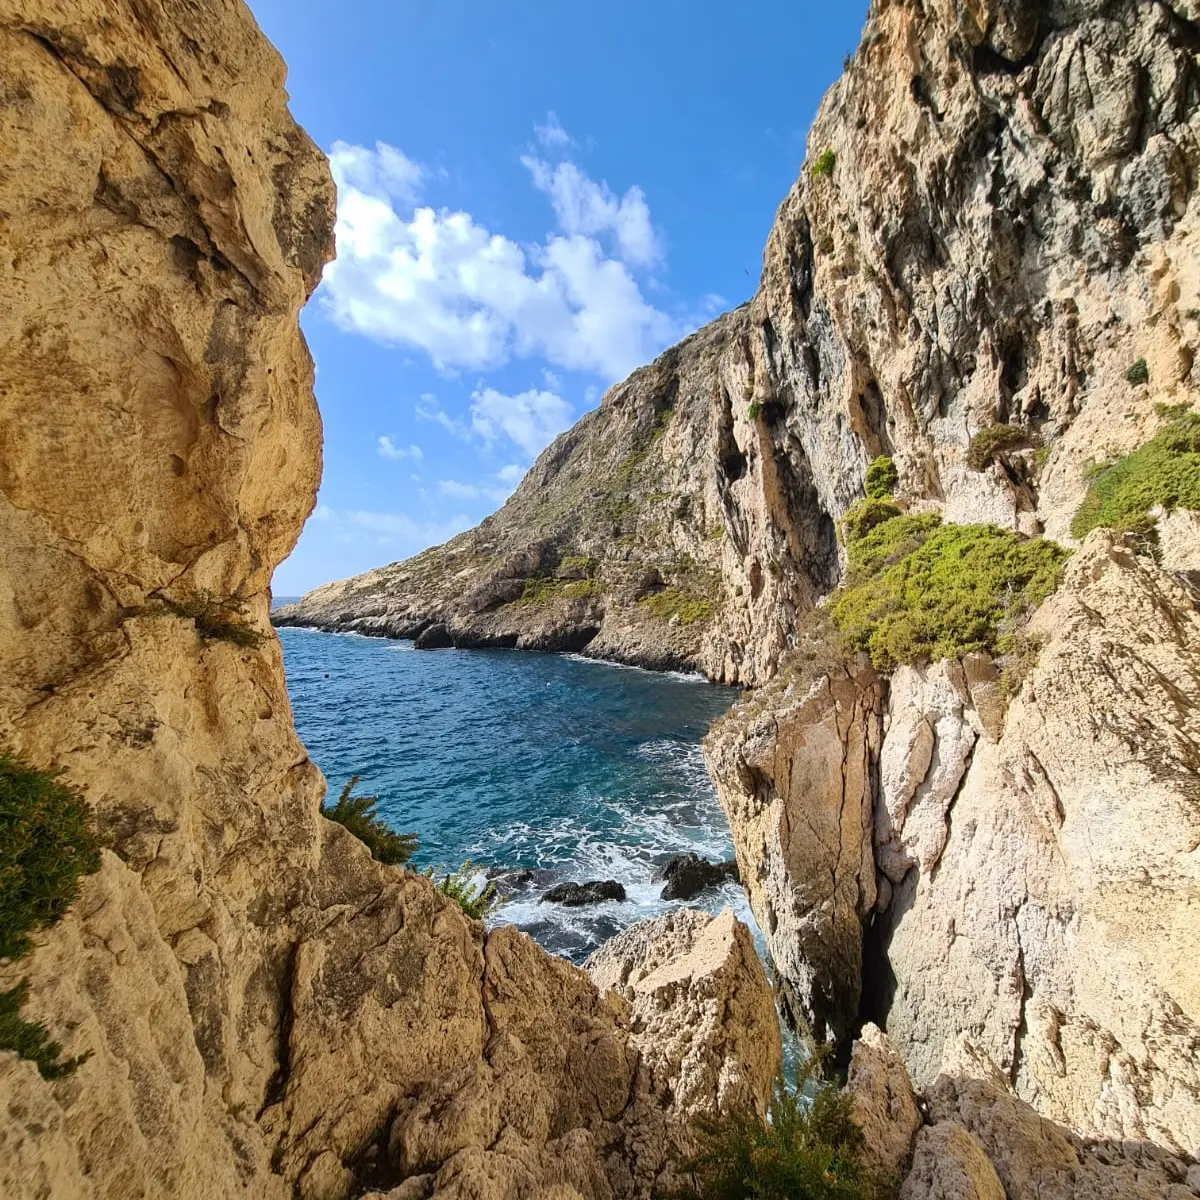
(266, 1010)
(718, 1051)
(687, 875)
(796, 783)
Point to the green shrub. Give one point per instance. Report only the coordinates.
(1164, 472)
(674, 602)
(1138, 373)
(474, 900)
(918, 590)
(219, 620)
(865, 515)
(47, 843)
(578, 566)
(994, 440)
(30, 1039)
(824, 165)
(882, 478)
(810, 1149)
(358, 815)
(753, 411)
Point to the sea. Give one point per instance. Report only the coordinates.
(555, 766)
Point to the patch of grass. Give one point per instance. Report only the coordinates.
(1164, 472)
(995, 440)
(809, 1149)
(474, 899)
(882, 478)
(716, 533)
(217, 619)
(1041, 456)
(578, 566)
(358, 815)
(674, 602)
(543, 588)
(824, 165)
(753, 411)
(919, 591)
(1138, 373)
(47, 843)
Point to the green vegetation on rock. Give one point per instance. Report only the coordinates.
(864, 516)
(578, 566)
(994, 440)
(824, 165)
(544, 588)
(475, 900)
(882, 478)
(47, 843)
(918, 590)
(1138, 373)
(1165, 472)
(753, 411)
(217, 620)
(675, 602)
(358, 815)
(810, 1149)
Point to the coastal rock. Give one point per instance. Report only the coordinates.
(949, 1164)
(793, 767)
(703, 1016)
(885, 1108)
(576, 895)
(266, 1011)
(687, 875)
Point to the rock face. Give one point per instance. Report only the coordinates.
(997, 221)
(688, 875)
(267, 1011)
(795, 781)
(722, 1049)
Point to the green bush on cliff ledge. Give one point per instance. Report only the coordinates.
(1165, 472)
(674, 602)
(917, 590)
(474, 899)
(46, 844)
(358, 815)
(882, 478)
(218, 620)
(810, 1149)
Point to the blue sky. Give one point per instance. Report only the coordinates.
(534, 198)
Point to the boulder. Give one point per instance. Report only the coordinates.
(576, 895)
(703, 1013)
(434, 637)
(687, 875)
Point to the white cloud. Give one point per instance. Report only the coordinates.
(552, 134)
(438, 280)
(428, 409)
(531, 420)
(384, 171)
(409, 529)
(586, 207)
(512, 474)
(472, 491)
(388, 449)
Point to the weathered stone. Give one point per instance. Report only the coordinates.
(885, 1108)
(949, 1164)
(718, 1049)
(688, 875)
(576, 895)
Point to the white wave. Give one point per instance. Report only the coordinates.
(681, 676)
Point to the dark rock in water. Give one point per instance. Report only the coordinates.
(436, 637)
(689, 875)
(575, 895)
(525, 879)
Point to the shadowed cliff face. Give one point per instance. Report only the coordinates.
(266, 1010)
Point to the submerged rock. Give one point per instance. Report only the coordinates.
(576, 895)
(688, 875)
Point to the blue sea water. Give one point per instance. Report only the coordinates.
(575, 769)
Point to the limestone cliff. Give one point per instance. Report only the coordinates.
(995, 233)
(266, 1010)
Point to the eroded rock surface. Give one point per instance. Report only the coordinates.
(267, 1011)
